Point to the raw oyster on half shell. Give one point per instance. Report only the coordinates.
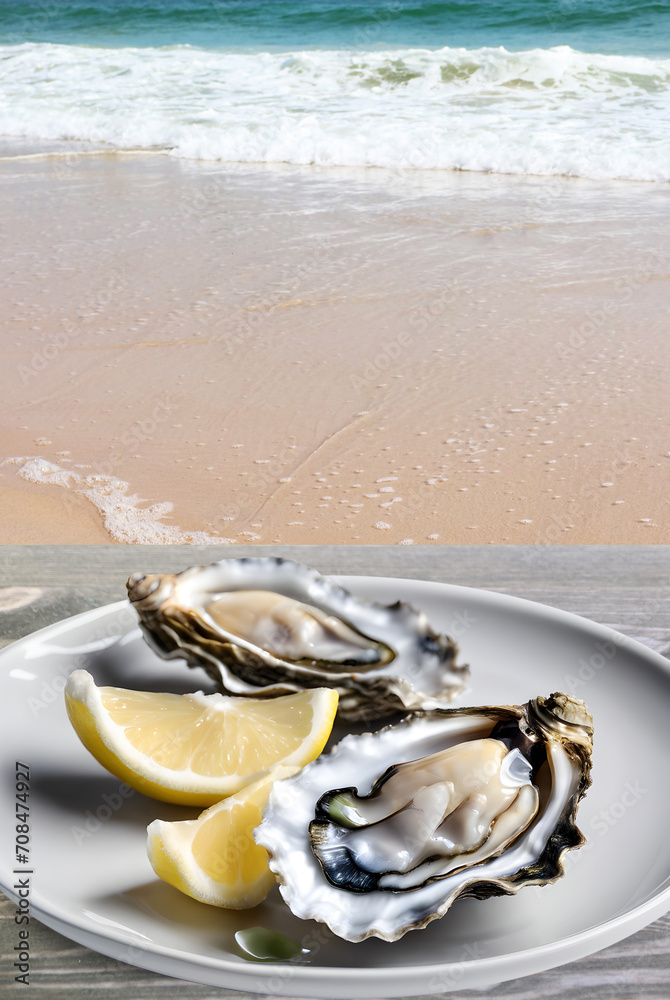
(267, 626)
(382, 834)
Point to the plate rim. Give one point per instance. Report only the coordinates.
(489, 970)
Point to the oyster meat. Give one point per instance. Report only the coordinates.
(267, 626)
(381, 835)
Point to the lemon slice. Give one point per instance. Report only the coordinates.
(214, 858)
(196, 748)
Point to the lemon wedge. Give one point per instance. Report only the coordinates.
(214, 858)
(195, 749)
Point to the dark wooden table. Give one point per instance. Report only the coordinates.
(625, 587)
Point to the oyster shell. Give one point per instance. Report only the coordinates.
(267, 626)
(447, 803)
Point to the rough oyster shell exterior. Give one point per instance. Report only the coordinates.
(174, 618)
(557, 734)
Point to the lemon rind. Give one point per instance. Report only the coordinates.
(114, 751)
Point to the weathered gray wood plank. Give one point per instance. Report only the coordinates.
(628, 583)
(624, 587)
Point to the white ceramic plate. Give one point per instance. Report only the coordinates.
(92, 880)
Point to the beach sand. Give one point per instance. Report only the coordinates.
(202, 352)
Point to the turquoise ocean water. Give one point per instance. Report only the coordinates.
(614, 27)
(571, 87)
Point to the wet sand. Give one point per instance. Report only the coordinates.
(290, 355)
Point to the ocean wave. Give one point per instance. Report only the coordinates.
(542, 111)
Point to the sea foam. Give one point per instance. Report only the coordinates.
(541, 111)
(125, 516)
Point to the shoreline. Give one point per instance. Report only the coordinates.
(421, 178)
(332, 355)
